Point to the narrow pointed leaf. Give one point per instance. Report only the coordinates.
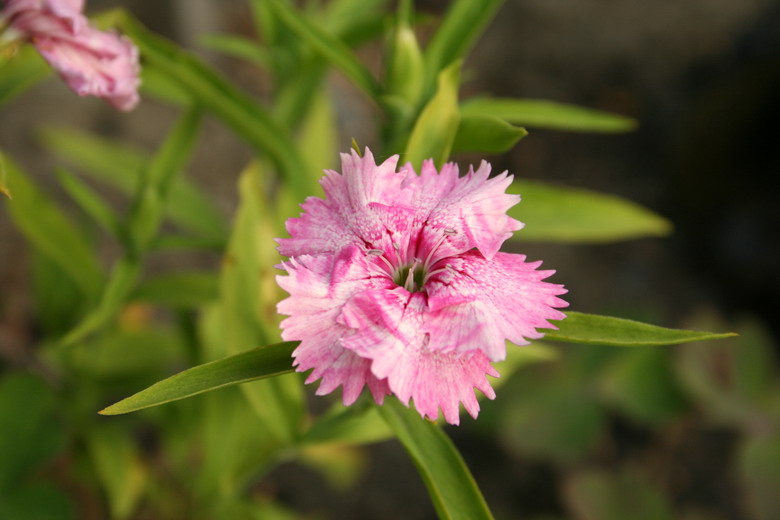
(251, 365)
(180, 289)
(233, 106)
(557, 214)
(120, 165)
(450, 484)
(540, 113)
(90, 202)
(463, 24)
(605, 330)
(331, 48)
(237, 46)
(51, 231)
(435, 128)
(486, 135)
(3, 179)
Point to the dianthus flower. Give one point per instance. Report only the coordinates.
(396, 282)
(91, 62)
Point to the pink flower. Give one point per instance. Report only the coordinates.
(396, 283)
(91, 62)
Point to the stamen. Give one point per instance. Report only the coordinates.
(447, 232)
(381, 255)
(430, 274)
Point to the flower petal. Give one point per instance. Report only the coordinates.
(389, 329)
(348, 214)
(506, 294)
(473, 205)
(319, 287)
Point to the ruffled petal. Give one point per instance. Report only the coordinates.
(506, 294)
(474, 206)
(390, 330)
(350, 212)
(318, 287)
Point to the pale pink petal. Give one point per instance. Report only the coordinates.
(474, 206)
(390, 330)
(506, 294)
(351, 211)
(318, 287)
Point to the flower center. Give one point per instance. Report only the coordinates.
(411, 275)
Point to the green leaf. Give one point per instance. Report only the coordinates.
(554, 214)
(51, 231)
(539, 113)
(20, 72)
(605, 330)
(463, 24)
(319, 140)
(181, 289)
(436, 127)
(157, 177)
(360, 423)
(331, 48)
(237, 46)
(404, 73)
(90, 202)
(486, 135)
(234, 107)
(452, 488)
(119, 468)
(120, 166)
(250, 365)
(120, 284)
(29, 431)
(248, 297)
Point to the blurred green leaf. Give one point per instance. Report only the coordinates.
(125, 353)
(551, 416)
(436, 127)
(555, 214)
(234, 107)
(360, 423)
(120, 166)
(341, 465)
(119, 468)
(596, 495)
(20, 72)
(486, 135)
(452, 488)
(641, 382)
(250, 365)
(120, 283)
(4, 178)
(29, 431)
(319, 140)
(51, 231)
(236, 46)
(404, 72)
(58, 301)
(463, 24)
(248, 297)
(156, 83)
(734, 382)
(605, 330)
(521, 356)
(539, 113)
(90, 202)
(759, 470)
(344, 16)
(187, 290)
(331, 48)
(37, 501)
(156, 179)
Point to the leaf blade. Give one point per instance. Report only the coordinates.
(250, 365)
(594, 329)
(572, 215)
(541, 113)
(452, 487)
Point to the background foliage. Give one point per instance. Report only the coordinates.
(135, 273)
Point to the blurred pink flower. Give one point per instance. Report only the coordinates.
(91, 62)
(396, 282)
